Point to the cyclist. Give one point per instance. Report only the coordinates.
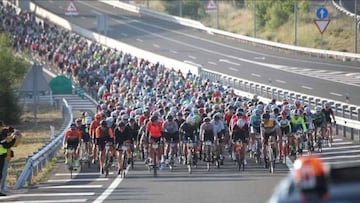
(269, 129)
(153, 128)
(239, 128)
(285, 129)
(297, 124)
(72, 139)
(219, 129)
(133, 130)
(309, 120)
(255, 124)
(327, 110)
(170, 130)
(121, 138)
(187, 130)
(179, 118)
(92, 131)
(207, 133)
(319, 122)
(85, 136)
(104, 135)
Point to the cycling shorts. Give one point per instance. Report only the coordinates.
(243, 136)
(267, 135)
(285, 130)
(174, 136)
(155, 139)
(72, 142)
(86, 137)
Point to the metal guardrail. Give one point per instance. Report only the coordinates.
(351, 113)
(36, 162)
(343, 10)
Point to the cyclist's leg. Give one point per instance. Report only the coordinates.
(119, 159)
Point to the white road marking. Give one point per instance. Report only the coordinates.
(341, 143)
(83, 17)
(173, 51)
(61, 7)
(335, 148)
(156, 45)
(233, 69)
(347, 156)
(306, 87)
(139, 40)
(259, 58)
(335, 72)
(342, 162)
(111, 188)
(78, 180)
(192, 57)
(49, 195)
(256, 75)
(319, 71)
(212, 63)
(51, 201)
(280, 81)
(336, 94)
(339, 152)
(124, 34)
(71, 186)
(352, 74)
(229, 62)
(81, 174)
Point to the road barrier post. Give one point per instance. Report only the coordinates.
(358, 118)
(303, 98)
(317, 102)
(245, 86)
(344, 116)
(350, 115)
(292, 98)
(310, 100)
(337, 105)
(234, 83)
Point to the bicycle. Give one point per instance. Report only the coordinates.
(108, 161)
(256, 151)
(208, 154)
(191, 155)
(84, 153)
(171, 156)
(239, 153)
(310, 142)
(217, 157)
(153, 165)
(299, 143)
(319, 141)
(124, 157)
(70, 151)
(285, 147)
(328, 136)
(270, 158)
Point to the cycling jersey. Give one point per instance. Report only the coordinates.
(328, 114)
(285, 126)
(207, 132)
(319, 120)
(154, 129)
(298, 124)
(187, 131)
(170, 127)
(255, 122)
(269, 127)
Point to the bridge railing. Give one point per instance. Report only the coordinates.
(36, 162)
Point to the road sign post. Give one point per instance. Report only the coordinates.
(321, 22)
(212, 6)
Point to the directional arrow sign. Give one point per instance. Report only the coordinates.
(322, 13)
(322, 24)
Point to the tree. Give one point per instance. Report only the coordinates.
(12, 69)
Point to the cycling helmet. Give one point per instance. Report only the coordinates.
(268, 108)
(154, 118)
(84, 114)
(258, 112)
(266, 116)
(287, 107)
(169, 117)
(109, 121)
(318, 109)
(98, 116)
(121, 124)
(309, 175)
(88, 120)
(131, 120)
(179, 114)
(307, 110)
(327, 105)
(190, 120)
(103, 106)
(240, 112)
(78, 121)
(114, 114)
(275, 109)
(297, 102)
(206, 119)
(73, 126)
(125, 117)
(103, 123)
(260, 107)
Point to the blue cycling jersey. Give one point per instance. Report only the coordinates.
(255, 121)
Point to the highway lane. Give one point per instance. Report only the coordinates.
(226, 184)
(221, 54)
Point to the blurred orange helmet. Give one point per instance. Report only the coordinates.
(97, 116)
(309, 174)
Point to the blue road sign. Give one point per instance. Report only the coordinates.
(321, 13)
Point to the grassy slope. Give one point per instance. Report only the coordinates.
(339, 35)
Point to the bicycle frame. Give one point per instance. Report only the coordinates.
(239, 153)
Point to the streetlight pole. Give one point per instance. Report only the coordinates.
(254, 13)
(295, 22)
(356, 28)
(180, 9)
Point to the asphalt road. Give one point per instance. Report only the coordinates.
(310, 75)
(226, 184)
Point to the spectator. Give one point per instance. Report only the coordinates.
(4, 145)
(10, 154)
